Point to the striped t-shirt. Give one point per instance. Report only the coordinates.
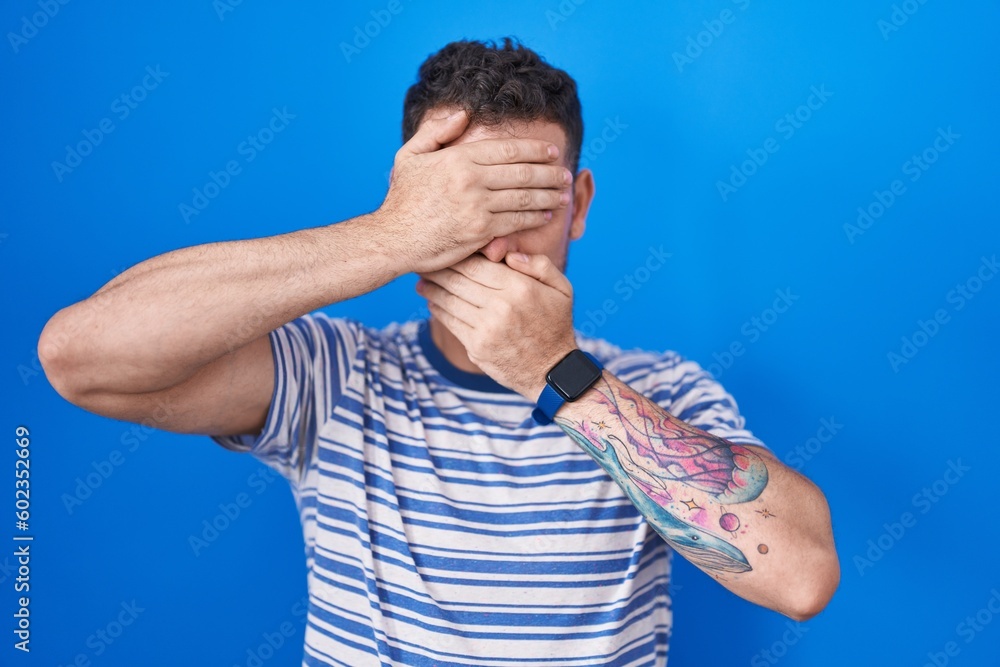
(443, 526)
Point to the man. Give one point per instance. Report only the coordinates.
(448, 521)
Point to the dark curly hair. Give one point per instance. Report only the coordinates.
(496, 84)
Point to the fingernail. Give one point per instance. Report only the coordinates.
(519, 256)
(564, 198)
(553, 150)
(567, 176)
(548, 215)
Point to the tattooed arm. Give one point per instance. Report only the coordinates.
(759, 528)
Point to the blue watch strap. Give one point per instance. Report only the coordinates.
(549, 401)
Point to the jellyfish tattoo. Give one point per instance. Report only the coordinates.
(656, 458)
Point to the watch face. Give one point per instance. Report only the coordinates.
(573, 375)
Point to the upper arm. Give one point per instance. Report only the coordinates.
(228, 396)
(269, 398)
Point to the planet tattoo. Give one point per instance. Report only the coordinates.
(730, 523)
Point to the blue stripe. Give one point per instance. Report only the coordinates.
(647, 558)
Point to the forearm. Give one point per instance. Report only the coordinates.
(156, 324)
(736, 512)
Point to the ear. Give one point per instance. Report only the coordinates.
(583, 194)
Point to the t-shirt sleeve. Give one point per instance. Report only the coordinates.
(692, 395)
(313, 356)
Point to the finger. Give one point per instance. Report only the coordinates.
(526, 175)
(489, 276)
(449, 301)
(509, 222)
(538, 199)
(510, 151)
(434, 133)
(461, 329)
(472, 291)
(541, 268)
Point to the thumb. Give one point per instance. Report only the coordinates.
(434, 133)
(541, 269)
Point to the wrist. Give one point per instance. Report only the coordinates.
(535, 382)
(387, 242)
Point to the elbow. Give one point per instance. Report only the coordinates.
(56, 355)
(813, 595)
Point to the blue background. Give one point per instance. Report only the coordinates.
(681, 128)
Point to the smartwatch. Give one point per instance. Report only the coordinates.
(567, 381)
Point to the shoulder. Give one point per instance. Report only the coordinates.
(676, 384)
(647, 371)
(666, 377)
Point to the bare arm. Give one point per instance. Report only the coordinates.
(181, 339)
(188, 328)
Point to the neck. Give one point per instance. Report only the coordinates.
(452, 348)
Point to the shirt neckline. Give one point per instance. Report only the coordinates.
(465, 379)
